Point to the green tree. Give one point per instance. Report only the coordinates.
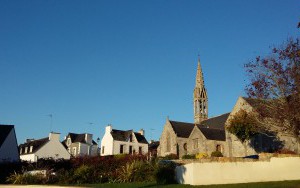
(243, 125)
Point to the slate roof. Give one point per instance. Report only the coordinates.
(253, 102)
(37, 144)
(153, 145)
(78, 138)
(121, 135)
(213, 134)
(217, 122)
(182, 129)
(4, 131)
(140, 138)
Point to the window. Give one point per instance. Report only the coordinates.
(185, 146)
(140, 150)
(74, 151)
(130, 149)
(219, 148)
(31, 148)
(130, 138)
(195, 143)
(20, 150)
(121, 148)
(102, 149)
(26, 148)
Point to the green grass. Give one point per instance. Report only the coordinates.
(282, 184)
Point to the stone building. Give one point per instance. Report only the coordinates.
(206, 135)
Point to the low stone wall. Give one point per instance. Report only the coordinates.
(238, 171)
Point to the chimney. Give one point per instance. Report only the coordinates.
(142, 132)
(29, 140)
(108, 128)
(88, 138)
(54, 136)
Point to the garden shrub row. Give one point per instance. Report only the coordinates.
(89, 170)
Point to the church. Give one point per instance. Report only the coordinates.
(206, 135)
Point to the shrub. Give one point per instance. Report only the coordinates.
(216, 154)
(165, 173)
(285, 151)
(201, 156)
(83, 174)
(170, 156)
(19, 178)
(188, 157)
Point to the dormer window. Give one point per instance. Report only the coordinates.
(20, 150)
(26, 148)
(69, 141)
(130, 138)
(31, 148)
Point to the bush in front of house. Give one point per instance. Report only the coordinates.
(87, 170)
(201, 156)
(216, 154)
(165, 173)
(23, 178)
(188, 157)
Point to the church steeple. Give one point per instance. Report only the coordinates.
(200, 97)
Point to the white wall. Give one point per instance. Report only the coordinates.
(29, 157)
(135, 146)
(107, 143)
(277, 169)
(53, 149)
(9, 149)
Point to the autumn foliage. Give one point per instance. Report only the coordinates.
(275, 85)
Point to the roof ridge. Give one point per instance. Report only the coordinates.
(218, 115)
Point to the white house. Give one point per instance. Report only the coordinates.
(8, 144)
(80, 144)
(123, 142)
(49, 147)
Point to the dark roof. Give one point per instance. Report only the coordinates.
(217, 122)
(153, 145)
(4, 131)
(182, 129)
(213, 134)
(37, 144)
(78, 138)
(140, 138)
(124, 136)
(120, 135)
(253, 102)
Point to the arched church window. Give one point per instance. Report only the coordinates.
(185, 146)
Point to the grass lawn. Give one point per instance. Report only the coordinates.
(285, 184)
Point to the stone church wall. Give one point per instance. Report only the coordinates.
(168, 141)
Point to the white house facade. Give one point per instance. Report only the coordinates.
(79, 145)
(49, 147)
(8, 144)
(123, 142)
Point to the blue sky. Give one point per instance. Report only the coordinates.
(128, 63)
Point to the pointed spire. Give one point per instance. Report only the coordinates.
(199, 76)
